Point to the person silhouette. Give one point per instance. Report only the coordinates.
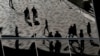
(16, 32)
(89, 29)
(17, 44)
(57, 46)
(57, 34)
(51, 47)
(81, 34)
(32, 47)
(27, 16)
(35, 13)
(70, 31)
(82, 42)
(50, 34)
(89, 33)
(26, 13)
(74, 30)
(46, 26)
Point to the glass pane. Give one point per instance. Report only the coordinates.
(19, 47)
(85, 48)
(53, 47)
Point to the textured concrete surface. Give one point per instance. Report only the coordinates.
(57, 12)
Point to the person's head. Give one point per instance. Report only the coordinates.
(57, 32)
(74, 24)
(88, 23)
(33, 6)
(81, 31)
(50, 33)
(26, 8)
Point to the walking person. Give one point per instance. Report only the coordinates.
(89, 29)
(46, 26)
(74, 30)
(57, 34)
(50, 34)
(26, 13)
(82, 42)
(57, 46)
(16, 32)
(70, 32)
(51, 47)
(35, 14)
(27, 16)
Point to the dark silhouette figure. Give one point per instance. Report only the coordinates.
(35, 14)
(1, 28)
(11, 4)
(17, 44)
(27, 16)
(51, 47)
(70, 31)
(89, 29)
(33, 49)
(81, 33)
(26, 13)
(16, 32)
(74, 30)
(87, 6)
(50, 34)
(82, 42)
(89, 33)
(46, 26)
(57, 34)
(57, 46)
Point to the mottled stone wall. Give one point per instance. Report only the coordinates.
(57, 12)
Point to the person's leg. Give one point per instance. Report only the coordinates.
(44, 31)
(89, 34)
(47, 29)
(28, 16)
(82, 46)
